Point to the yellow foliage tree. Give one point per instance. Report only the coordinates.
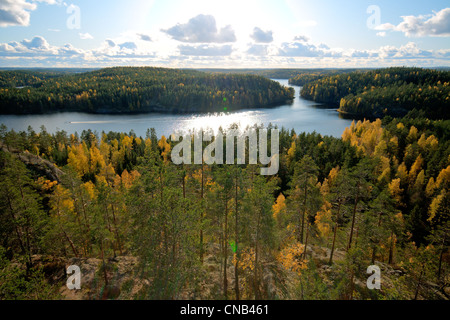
(420, 181)
(402, 172)
(395, 190)
(89, 187)
(384, 168)
(431, 186)
(96, 160)
(291, 153)
(435, 205)
(164, 147)
(106, 175)
(365, 135)
(323, 219)
(417, 165)
(443, 178)
(279, 207)
(290, 258)
(412, 135)
(78, 159)
(128, 178)
(46, 184)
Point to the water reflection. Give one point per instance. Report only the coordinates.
(301, 115)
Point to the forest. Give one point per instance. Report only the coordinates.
(377, 93)
(305, 76)
(141, 227)
(136, 89)
(284, 73)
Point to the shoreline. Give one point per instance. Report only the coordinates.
(155, 109)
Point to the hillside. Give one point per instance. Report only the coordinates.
(284, 73)
(377, 93)
(140, 226)
(129, 90)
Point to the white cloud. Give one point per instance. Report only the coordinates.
(257, 50)
(128, 45)
(206, 50)
(69, 49)
(434, 25)
(37, 51)
(261, 36)
(144, 37)
(298, 49)
(201, 29)
(408, 51)
(37, 42)
(85, 36)
(17, 12)
(381, 34)
(362, 54)
(301, 38)
(301, 48)
(49, 1)
(110, 43)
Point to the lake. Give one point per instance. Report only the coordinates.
(301, 115)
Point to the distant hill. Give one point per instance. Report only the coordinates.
(281, 73)
(391, 91)
(135, 89)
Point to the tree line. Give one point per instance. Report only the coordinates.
(377, 93)
(136, 89)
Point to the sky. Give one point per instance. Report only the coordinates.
(224, 34)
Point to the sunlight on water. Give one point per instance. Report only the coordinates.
(221, 120)
(301, 115)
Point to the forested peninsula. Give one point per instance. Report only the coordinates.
(136, 90)
(377, 93)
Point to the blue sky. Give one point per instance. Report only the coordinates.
(229, 34)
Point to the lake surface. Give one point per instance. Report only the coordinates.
(301, 115)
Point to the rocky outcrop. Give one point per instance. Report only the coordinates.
(45, 167)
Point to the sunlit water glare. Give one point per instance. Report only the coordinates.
(301, 115)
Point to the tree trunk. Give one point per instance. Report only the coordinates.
(119, 244)
(27, 233)
(75, 252)
(225, 251)
(184, 185)
(107, 219)
(353, 223)
(303, 216)
(306, 240)
(236, 265)
(16, 228)
(419, 282)
(441, 256)
(105, 275)
(201, 219)
(86, 221)
(391, 249)
(255, 271)
(335, 232)
(374, 249)
(352, 284)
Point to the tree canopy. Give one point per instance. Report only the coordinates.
(136, 89)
